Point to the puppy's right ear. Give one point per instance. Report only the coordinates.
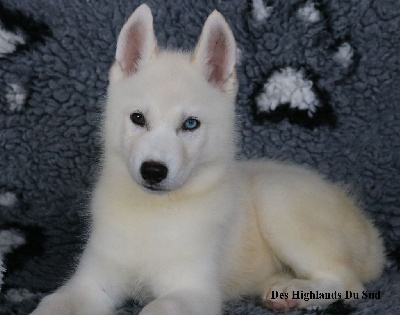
(136, 44)
(215, 54)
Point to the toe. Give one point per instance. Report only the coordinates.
(276, 306)
(292, 303)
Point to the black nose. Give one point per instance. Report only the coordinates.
(153, 172)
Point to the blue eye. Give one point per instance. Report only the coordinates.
(190, 124)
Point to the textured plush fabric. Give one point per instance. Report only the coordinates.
(54, 61)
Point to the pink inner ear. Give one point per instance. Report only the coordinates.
(217, 56)
(133, 49)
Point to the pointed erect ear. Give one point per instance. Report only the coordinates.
(215, 53)
(136, 43)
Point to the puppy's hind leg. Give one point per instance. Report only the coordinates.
(321, 270)
(318, 276)
(284, 293)
(318, 234)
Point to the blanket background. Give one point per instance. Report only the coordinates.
(54, 60)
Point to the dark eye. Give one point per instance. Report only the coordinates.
(138, 119)
(190, 124)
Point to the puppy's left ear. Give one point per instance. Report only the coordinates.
(215, 54)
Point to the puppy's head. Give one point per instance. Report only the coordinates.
(170, 115)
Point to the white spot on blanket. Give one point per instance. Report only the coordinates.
(8, 199)
(288, 86)
(9, 240)
(9, 42)
(239, 56)
(18, 295)
(344, 55)
(15, 96)
(2, 269)
(260, 11)
(308, 13)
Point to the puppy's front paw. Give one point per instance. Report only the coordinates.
(72, 302)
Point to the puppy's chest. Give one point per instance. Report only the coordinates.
(149, 240)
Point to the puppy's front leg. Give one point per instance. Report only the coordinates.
(75, 299)
(185, 302)
(94, 289)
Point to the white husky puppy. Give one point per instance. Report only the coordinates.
(178, 222)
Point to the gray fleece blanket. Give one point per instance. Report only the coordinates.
(319, 86)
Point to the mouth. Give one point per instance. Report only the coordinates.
(155, 189)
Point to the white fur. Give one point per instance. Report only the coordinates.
(18, 295)
(288, 86)
(308, 13)
(260, 11)
(9, 42)
(216, 228)
(239, 56)
(16, 96)
(344, 55)
(8, 199)
(2, 269)
(9, 240)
